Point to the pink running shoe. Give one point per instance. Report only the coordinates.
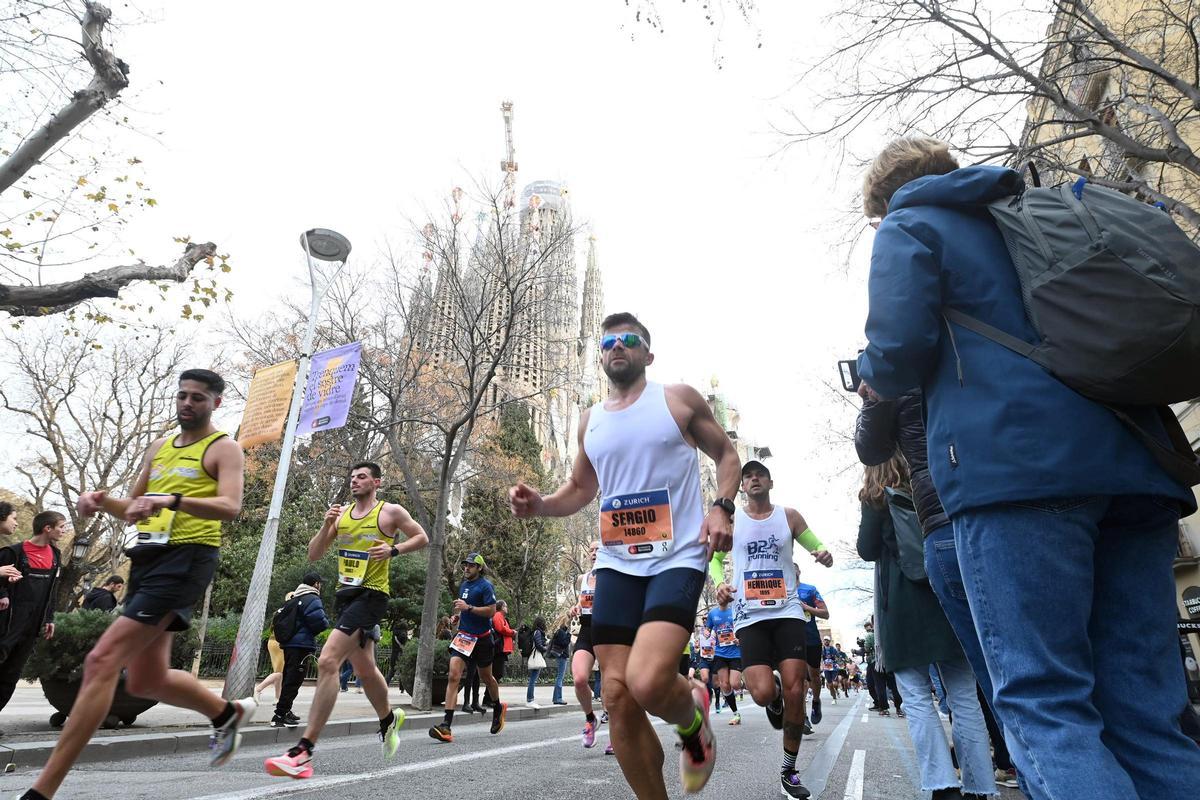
(589, 735)
(608, 751)
(699, 753)
(295, 763)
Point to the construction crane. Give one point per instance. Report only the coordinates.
(509, 165)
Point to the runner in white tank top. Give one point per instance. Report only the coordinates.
(637, 450)
(767, 615)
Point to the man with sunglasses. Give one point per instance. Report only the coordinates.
(472, 644)
(640, 445)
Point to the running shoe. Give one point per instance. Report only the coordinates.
(589, 735)
(816, 711)
(295, 763)
(291, 720)
(278, 722)
(1007, 777)
(389, 737)
(737, 718)
(224, 741)
(441, 732)
(790, 785)
(498, 719)
(808, 731)
(608, 751)
(532, 704)
(603, 717)
(699, 753)
(775, 709)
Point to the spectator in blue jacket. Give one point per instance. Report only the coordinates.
(311, 620)
(1064, 524)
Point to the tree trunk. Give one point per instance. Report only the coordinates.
(422, 692)
(203, 629)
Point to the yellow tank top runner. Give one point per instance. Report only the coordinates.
(355, 537)
(180, 470)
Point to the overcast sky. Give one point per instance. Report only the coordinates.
(354, 116)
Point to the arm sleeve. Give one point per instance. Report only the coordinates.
(875, 432)
(870, 534)
(716, 568)
(904, 310)
(809, 541)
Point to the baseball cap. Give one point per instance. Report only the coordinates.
(755, 465)
(474, 558)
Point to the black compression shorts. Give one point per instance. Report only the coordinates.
(165, 579)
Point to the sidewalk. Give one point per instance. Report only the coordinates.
(28, 738)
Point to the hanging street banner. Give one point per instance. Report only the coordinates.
(330, 389)
(267, 404)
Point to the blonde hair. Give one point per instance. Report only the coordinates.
(901, 161)
(891, 474)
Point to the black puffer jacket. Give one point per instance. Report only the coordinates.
(884, 424)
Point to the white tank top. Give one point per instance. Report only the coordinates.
(651, 507)
(764, 575)
(587, 592)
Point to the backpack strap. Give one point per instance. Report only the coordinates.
(1018, 346)
(1177, 458)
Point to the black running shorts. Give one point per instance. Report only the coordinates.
(482, 655)
(720, 663)
(771, 641)
(584, 640)
(166, 579)
(360, 609)
(812, 654)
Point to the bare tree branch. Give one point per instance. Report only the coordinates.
(110, 77)
(55, 298)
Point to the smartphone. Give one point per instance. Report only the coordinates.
(850, 377)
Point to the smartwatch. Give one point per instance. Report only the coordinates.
(395, 551)
(726, 505)
(175, 503)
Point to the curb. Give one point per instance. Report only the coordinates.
(115, 748)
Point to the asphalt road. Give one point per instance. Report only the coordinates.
(852, 756)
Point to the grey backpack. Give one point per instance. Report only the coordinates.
(910, 540)
(1112, 287)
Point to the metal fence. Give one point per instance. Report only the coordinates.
(215, 656)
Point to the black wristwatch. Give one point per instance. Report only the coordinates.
(395, 551)
(725, 504)
(175, 503)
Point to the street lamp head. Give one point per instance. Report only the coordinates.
(80, 547)
(325, 245)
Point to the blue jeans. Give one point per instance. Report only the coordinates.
(941, 565)
(563, 663)
(533, 676)
(929, 737)
(1074, 601)
(939, 690)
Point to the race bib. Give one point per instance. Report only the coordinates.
(637, 525)
(587, 598)
(464, 643)
(726, 638)
(352, 567)
(764, 588)
(155, 529)
(707, 653)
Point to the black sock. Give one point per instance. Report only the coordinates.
(448, 717)
(591, 717)
(34, 794)
(220, 719)
(789, 760)
(731, 701)
(305, 745)
(497, 707)
(386, 721)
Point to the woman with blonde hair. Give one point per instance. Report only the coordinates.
(913, 634)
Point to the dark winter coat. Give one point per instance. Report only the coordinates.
(884, 425)
(913, 629)
(99, 599)
(31, 599)
(311, 621)
(1005, 430)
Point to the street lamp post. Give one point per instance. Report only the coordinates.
(322, 245)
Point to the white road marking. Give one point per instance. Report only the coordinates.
(854, 781)
(866, 716)
(303, 786)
